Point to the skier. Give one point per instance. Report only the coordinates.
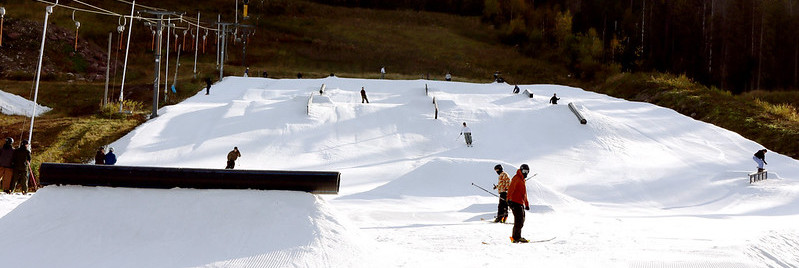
(21, 162)
(467, 134)
(517, 200)
(207, 85)
(231, 158)
(382, 72)
(99, 157)
(760, 159)
(554, 99)
(363, 96)
(448, 77)
(502, 188)
(110, 157)
(6, 171)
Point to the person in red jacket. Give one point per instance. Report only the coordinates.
(517, 200)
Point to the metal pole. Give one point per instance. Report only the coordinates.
(168, 38)
(196, 44)
(157, 56)
(127, 51)
(222, 52)
(107, 71)
(175, 82)
(48, 11)
(218, 36)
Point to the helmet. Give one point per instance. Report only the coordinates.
(9, 140)
(24, 142)
(498, 167)
(525, 170)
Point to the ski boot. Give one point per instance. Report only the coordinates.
(520, 240)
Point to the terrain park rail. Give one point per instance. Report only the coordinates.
(316, 182)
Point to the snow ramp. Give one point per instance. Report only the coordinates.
(77, 226)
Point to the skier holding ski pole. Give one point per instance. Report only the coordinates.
(517, 200)
(502, 188)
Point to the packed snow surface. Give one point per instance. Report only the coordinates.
(638, 186)
(11, 104)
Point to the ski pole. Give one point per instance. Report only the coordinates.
(481, 188)
(459, 136)
(531, 177)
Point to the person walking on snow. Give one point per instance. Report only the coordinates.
(517, 200)
(467, 134)
(760, 159)
(363, 96)
(110, 157)
(6, 171)
(554, 99)
(231, 158)
(99, 157)
(21, 161)
(502, 188)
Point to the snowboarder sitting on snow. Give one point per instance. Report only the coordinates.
(99, 157)
(110, 157)
(517, 200)
(363, 96)
(231, 158)
(760, 159)
(516, 89)
(502, 188)
(554, 99)
(467, 134)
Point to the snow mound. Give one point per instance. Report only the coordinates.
(72, 226)
(11, 104)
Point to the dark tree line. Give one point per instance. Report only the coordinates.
(737, 45)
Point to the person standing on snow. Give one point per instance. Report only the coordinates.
(207, 85)
(517, 200)
(467, 134)
(6, 171)
(760, 159)
(502, 188)
(231, 158)
(554, 99)
(363, 96)
(382, 72)
(99, 157)
(448, 77)
(110, 157)
(21, 161)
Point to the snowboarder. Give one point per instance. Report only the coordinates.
(382, 72)
(207, 85)
(21, 163)
(231, 158)
(299, 75)
(99, 157)
(760, 159)
(517, 200)
(502, 188)
(110, 157)
(467, 134)
(247, 72)
(363, 96)
(448, 77)
(554, 99)
(6, 171)
(516, 89)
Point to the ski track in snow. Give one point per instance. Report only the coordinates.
(638, 186)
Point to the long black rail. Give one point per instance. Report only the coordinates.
(317, 182)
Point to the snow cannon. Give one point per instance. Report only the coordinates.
(316, 182)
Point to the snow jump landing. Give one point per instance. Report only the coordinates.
(317, 182)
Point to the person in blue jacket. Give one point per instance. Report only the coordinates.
(110, 157)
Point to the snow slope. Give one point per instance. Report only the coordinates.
(11, 104)
(638, 186)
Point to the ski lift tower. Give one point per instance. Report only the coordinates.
(224, 30)
(157, 54)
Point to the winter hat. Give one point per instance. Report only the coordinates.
(498, 167)
(110, 149)
(24, 142)
(9, 140)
